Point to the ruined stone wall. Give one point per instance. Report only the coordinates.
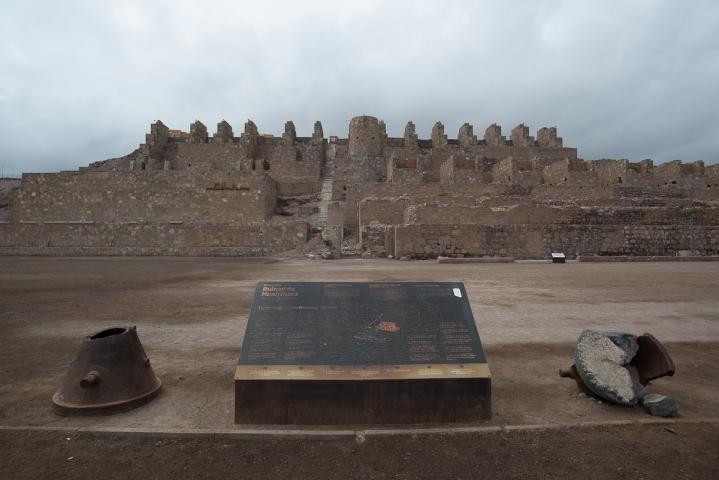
(462, 171)
(298, 188)
(712, 176)
(498, 195)
(535, 189)
(538, 241)
(369, 153)
(212, 156)
(148, 196)
(298, 161)
(378, 239)
(7, 186)
(352, 194)
(404, 170)
(388, 211)
(512, 171)
(361, 169)
(150, 239)
(556, 213)
(612, 172)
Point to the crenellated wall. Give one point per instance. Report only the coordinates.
(523, 195)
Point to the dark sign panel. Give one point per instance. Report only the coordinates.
(350, 324)
(343, 353)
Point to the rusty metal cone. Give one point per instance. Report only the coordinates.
(111, 372)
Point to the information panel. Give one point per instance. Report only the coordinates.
(317, 330)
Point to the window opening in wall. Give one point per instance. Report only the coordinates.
(620, 179)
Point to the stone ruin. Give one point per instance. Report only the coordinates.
(524, 196)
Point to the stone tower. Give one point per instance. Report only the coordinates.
(366, 137)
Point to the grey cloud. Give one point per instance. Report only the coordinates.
(81, 81)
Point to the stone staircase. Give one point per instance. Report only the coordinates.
(325, 190)
(325, 198)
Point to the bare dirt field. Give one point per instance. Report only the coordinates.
(191, 314)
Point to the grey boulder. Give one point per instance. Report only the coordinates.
(602, 360)
(659, 405)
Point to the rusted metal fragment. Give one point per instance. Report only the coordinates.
(111, 372)
(652, 360)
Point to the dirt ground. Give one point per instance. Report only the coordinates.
(191, 314)
(632, 452)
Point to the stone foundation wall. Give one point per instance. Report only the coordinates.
(556, 213)
(538, 241)
(505, 210)
(150, 239)
(147, 196)
(353, 194)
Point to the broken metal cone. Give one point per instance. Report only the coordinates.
(652, 360)
(111, 371)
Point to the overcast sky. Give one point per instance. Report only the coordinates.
(81, 81)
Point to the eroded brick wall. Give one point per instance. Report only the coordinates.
(150, 239)
(157, 196)
(538, 241)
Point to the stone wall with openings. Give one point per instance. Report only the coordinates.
(145, 197)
